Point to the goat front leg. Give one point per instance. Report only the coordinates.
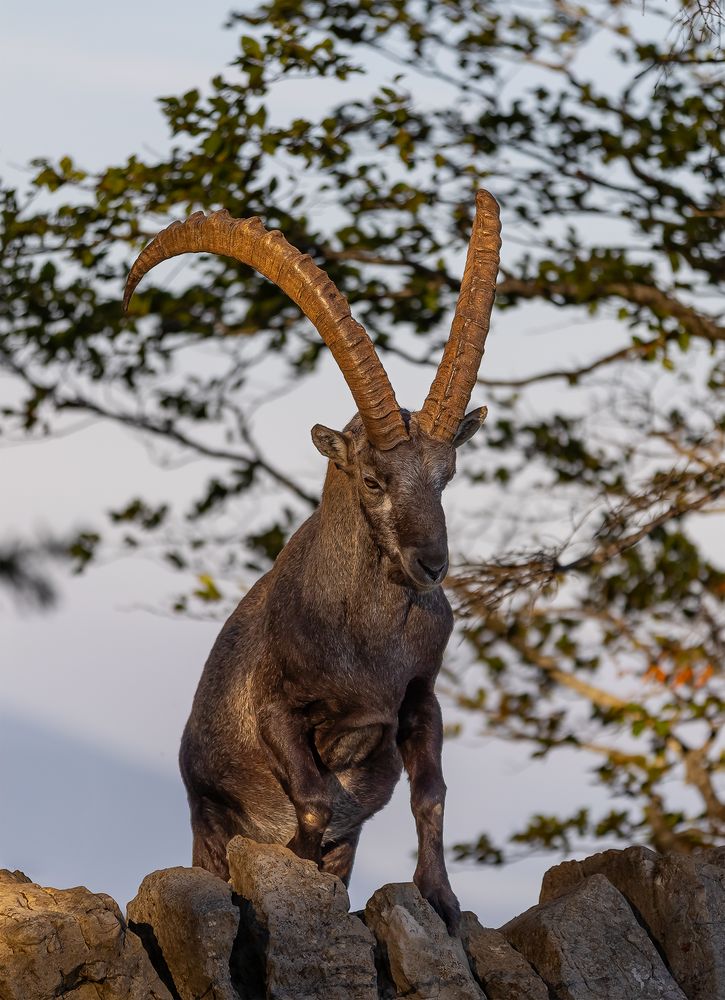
(285, 736)
(420, 739)
(338, 857)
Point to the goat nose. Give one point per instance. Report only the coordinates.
(436, 572)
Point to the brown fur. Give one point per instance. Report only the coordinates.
(320, 686)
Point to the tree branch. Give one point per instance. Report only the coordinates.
(485, 585)
(173, 434)
(165, 430)
(661, 303)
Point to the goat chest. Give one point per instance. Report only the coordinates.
(363, 662)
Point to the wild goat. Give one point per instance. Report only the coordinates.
(320, 686)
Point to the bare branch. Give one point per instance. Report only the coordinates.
(480, 587)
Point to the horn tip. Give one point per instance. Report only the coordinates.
(485, 200)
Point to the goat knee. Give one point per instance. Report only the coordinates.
(313, 818)
(314, 814)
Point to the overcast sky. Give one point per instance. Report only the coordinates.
(95, 694)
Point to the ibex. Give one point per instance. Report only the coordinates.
(320, 686)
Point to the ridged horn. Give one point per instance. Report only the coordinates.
(451, 390)
(268, 252)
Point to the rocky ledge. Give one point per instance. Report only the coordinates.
(618, 926)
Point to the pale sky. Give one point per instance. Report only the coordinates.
(95, 694)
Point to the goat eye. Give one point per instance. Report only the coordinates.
(372, 484)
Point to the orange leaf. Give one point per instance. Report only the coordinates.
(683, 676)
(655, 673)
(704, 675)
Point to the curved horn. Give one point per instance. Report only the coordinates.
(451, 390)
(247, 241)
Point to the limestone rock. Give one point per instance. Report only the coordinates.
(188, 924)
(500, 969)
(422, 959)
(71, 943)
(680, 899)
(16, 876)
(312, 946)
(713, 856)
(587, 945)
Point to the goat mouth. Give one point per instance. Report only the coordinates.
(419, 581)
(420, 586)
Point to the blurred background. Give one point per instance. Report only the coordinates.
(152, 466)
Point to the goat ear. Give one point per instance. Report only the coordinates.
(331, 444)
(469, 425)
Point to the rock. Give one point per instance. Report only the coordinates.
(713, 855)
(679, 898)
(16, 876)
(311, 945)
(618, 926)
(587, 945)
(188, 923)
(503, 973)
(71, 943)
(422, 959)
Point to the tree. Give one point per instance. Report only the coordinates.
(591, 613)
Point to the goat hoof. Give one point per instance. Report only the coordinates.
(444, 902)
(305, 851)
